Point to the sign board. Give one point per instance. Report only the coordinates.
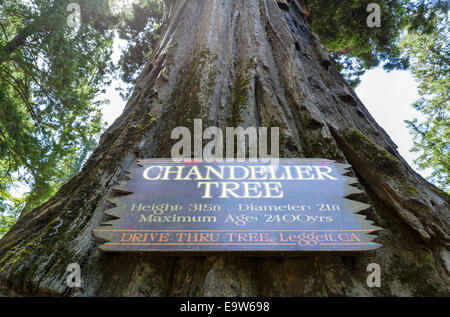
(251, 208)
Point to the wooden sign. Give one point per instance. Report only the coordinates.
(253, 208)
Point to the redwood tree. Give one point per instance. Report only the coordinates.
(237, 63)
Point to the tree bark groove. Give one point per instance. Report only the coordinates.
(237, 63)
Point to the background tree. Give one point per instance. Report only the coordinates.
(430, 63)
(357, 48)
(50, 77)
(139, 27)
(245, 63)
(353, 45)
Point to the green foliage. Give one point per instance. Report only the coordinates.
(9, 213)
(430, 63)
(140, 28)
(50, 77)
(342, 28)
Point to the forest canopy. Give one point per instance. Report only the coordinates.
(52, 76)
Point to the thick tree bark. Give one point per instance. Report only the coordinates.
(247, 63)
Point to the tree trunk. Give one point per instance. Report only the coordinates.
(230, 63)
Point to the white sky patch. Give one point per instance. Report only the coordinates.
(121, 4)
(389, 97)
(115, 108)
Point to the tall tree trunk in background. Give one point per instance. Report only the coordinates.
(247, 63)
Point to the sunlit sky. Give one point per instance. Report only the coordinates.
(389, 98)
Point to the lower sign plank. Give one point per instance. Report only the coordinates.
(254, 208)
